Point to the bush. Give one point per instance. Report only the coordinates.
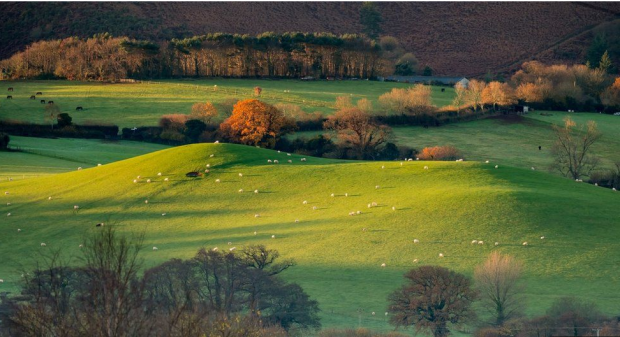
(4, 141)
(64, 120)
(173, 122)
(194, 128)
(440, 153)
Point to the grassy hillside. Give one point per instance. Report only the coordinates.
(44, 156)
(454, 38)
(444, 207)
(129, 105)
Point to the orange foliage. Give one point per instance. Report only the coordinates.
(257, 91)
(204, 112)
(173, 121)
(440, 153)
(255, 122)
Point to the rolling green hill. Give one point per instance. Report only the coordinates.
(339, 263)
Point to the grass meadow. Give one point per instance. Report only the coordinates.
(338, 263)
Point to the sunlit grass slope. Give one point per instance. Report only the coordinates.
(445, 207)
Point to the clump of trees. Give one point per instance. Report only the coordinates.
(213, 293)
(448, 152)
(407, 101)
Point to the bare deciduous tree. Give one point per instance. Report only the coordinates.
(572, 148)
(497, 280)
(356, 129)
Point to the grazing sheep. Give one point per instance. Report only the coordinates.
(256, 191)
(165, 179)
(217, 180)
(440, 254)
(480, 242)
(382, 166)
(163, 214)
(374, 204)
(148, 180)
(496, 166)
(497, 243)
(314, 208)
(6, 193)
(43, 244)
(81, 245)
(369, 205)
(525, 243)
(377, 187)
(305, 202)
(426, 167)
(49, 198)
(229, 243)
(296, 221)
(98, 164)
(76, 207)
(416, 158)
(79, 169)
(595, 184)
(332, 195)
(255, 233)
(346, 194)
(146, 201)
(217, 142)
(273, 236)
(401, 163)
(208, 165)
(416, 241)
(364, 229)
(240, 174)
(19, 230)
(393, 208)
(383, 265)
(415, 260)
(101, 224)
(159, 174)
(8, 204)
(138, 177)
(303, 159)
(211, 156)
(542, 237)
(373, 313)
(473, 242)
(154, 248)
(207, 171)
(214, 249)
(288, 154)
(269, 161)
(241, 190)
(1, 280)
(256, 215)
(351, 213)
(8, 214)
(533, 169)
(275, 161)
(613, 189)
(358, 212)
(135, 181)
(233, 248)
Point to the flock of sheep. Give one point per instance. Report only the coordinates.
(372, 204)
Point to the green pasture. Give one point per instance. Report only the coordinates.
(338, 263)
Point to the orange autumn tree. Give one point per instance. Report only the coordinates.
(204, 112)
(256, 123)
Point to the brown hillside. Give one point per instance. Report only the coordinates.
(453, 38)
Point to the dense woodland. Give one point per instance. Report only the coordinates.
(288, 55)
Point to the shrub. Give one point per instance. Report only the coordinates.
(4, 141)
(64, 120)
(173, 122)
(440, 153)
(173, 136)
(194, 128)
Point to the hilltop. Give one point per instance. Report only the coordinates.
(453, 38)
(445, 207)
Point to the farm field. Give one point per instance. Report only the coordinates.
(44, 156)
(510, 140)
(338, 264)
(142, 104)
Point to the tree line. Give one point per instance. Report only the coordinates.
(287, 55)
(106, 292)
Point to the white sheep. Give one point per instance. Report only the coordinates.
(49, 198)
(159, 174)
(214, 249)
(416, 158)
(81, 245)
(240, 175)
(43, 244)
(374, 204)
(217, 142)
(6, 193)
(211, 156)
(135, 181)
(8, 204)
(364, 229)
(346, 194)
(290, 161)
(241, 190)
(369, 205)
(303, 159)
(332, 195)
(351, 213)
(415, 260)
(358, 212)
(254, 232)
(269, 161)
(480, 242)
(229, 243)
(165, 179)
(410, 159)
(373, 313)
(377, 187)
(383, 265)
(208, 165)
(496, 166)
(382, 166)
(207, 171)
(255, 191)
(233, 248)
(614, 189)
(155, 248)
(533, 169)
(473, 242)
(288, 154)
(146, 201)
(1, 280)
(275, 161)
(273, 236)
(79, 168)
(314, 208)
(148, 180)
(217, 180)
(98, 164)
(19, 230)
(487, 161)
(8, 214)
(76, 207)
(401, 163)
(296, 221)
(305, 202)
(138, 177)
(542, 237)
(256, 215)
(163, 214)
(416, 241)
(393, 208)
(525, 243)
(426, 167)
(440, 254)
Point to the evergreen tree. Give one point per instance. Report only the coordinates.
(598, 47)
(605, 62)
(371, 20)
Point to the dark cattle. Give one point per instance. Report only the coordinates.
(443, 89)
(33, 97)
(100, 224)
(9, 97)
(39, 93)
(50, 102)
(539, 148)
(79, 108)
(42, 101)
(10, 89)
(193, 174)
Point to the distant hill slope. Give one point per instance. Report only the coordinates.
(453, 38)
(339, 263)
